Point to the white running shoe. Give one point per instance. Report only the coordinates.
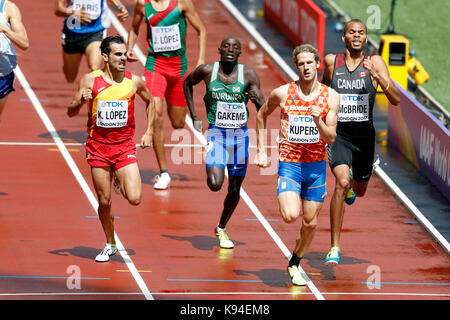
(162, 181)
(108, 251)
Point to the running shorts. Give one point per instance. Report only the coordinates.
(77, 42)
(166, 80)
(227, 147)
(6, 85)
(115, 156)
(358, 154)
(307, 179)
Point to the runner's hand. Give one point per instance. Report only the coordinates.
(146, 140)
(83, 16)
(315, 112)
(261, 159)
(123, 13)
(368, 64)
(131, 57)
(86, 94)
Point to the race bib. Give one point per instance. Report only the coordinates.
(231, 114)
(166, 38)
(112, 114)
(302, 129)
(354, 107)
(92, 7)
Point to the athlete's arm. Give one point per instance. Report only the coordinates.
(253, 90)
(275, 99)
(144, 93)
(123, 12)
(17, 34)
(200, 73)
(327, 129)
(61, 10)
(328, 63)
(380, 73)
(138, 15)
(191, 14)
(83, 94)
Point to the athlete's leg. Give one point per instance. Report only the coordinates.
(309, 224)
(2, 104)
(71, 64)
(177, 116)
(360, 188)
(215, 177)
(130, 183)
(231, 200)
(158, 134)
(289, 203)
(93, 56)
(101, 178)
(337, 206)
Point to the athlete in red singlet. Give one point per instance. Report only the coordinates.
(110, 148)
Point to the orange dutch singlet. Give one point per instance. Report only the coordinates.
(111, 110)
(299, 139)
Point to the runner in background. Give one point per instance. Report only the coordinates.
(85, 26)
(12, 33)
(166, 66)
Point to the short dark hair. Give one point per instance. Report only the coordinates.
(354, 20)
(305, 48)
(105, 46)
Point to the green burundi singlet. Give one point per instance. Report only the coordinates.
(166, 33)
(226, 104)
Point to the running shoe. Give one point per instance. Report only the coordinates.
(224, 241)
(116, 184)
(162, 181)
(296, 276)
(350, 196)
(108, 251)
(333, 256)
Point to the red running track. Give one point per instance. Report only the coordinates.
(50, 233)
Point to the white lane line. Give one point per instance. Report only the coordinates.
(243, 194)
(379, 172)
(79, 177)
(226, 293)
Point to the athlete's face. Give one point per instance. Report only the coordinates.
(355, 36)
(230, 50)
(307, 66)
(117, 58)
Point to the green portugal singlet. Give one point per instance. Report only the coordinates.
(166, 34)
(226, 104)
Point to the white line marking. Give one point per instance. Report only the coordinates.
(225, 293)
(76, 172)
(202, 139)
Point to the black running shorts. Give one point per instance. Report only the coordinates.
(358, 154)
(77, 42)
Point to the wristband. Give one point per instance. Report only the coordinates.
(119, 5)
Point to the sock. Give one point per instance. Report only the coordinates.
(295, 260)
(219, 229)
(164, 171)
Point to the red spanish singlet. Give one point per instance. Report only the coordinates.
(111, 110)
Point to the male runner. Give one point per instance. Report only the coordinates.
(110, 147)
(355, 77)
(166, 66)
(308, 122)
(85, 25)
(12, 32)
(229, 85)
